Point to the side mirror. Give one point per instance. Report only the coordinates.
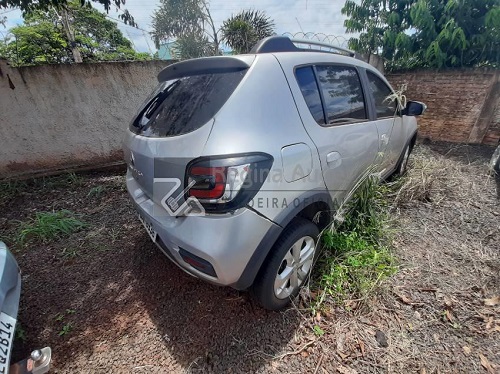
(414, 108)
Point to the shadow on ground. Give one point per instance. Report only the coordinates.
(463, 153)
(209, 327)
(125, 307)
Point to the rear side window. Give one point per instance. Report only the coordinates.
(342, 94)
(183, 105)
(380, 92)
(310, 90)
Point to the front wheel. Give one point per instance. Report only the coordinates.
(403, 164)
(288, 267)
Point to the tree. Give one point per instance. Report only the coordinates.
(27, 6)
(242, 31)
(193, 45)
(42, 39)
(190, 22)
(426, 33)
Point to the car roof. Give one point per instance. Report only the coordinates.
(313, 57)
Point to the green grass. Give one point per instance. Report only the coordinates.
(11, 189)
(58, 181)
(96, 191)
(19, 333)
(356, 252)
(66, 329)
(47, 226)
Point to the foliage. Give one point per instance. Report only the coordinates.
(356, 254)
(242, 31)
(20, 333)
(426, 33)
(96, 191)
(49, 225)
(193, 46)
(190, 22)
(66, 329)
(28, 6)
(42, 39)
(11, 189)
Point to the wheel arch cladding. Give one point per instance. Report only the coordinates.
(307, 206)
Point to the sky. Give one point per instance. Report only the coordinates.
(290, 16)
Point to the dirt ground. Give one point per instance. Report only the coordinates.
(107, 301)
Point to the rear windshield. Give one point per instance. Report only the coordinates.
(183, 105)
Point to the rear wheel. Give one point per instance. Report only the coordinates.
(288, 267)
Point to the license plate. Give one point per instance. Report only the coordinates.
(7, 328)
(149, 228)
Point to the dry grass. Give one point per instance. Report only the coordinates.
(449, 230)
(432, 312)
(435, 178)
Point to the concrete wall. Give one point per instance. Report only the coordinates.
(62, 116)
(463, 105)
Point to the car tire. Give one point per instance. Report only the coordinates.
(403, 162)
(288, 267)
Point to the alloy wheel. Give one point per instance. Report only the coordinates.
(295, 267)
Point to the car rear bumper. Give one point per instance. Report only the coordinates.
(225, 241)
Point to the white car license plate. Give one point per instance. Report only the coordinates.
(149, 228)
(7, 329)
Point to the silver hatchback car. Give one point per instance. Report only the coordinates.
(231, 160)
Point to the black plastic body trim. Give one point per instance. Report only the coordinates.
(209, 269)
(400, 159)
(303, 201)
(266, 244)
(273, 44)
(255, 263)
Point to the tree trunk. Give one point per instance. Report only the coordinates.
(214, 31)
(71, 37)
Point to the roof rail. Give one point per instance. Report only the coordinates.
(338, 50)
(285, 44)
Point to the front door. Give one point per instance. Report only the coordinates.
(389, 124)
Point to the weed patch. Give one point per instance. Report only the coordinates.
(49, 225)
(96, 191)
(356, 252)
(11, 189)
(59, 181)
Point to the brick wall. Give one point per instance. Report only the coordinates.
(493, 133)
(461, 103)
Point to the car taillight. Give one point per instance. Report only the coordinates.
(206, 182)
(222, 184)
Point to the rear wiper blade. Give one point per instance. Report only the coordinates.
(153, 105)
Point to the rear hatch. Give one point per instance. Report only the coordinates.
(173, 124)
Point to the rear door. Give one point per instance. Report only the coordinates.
(336, 117)
(388, 121)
